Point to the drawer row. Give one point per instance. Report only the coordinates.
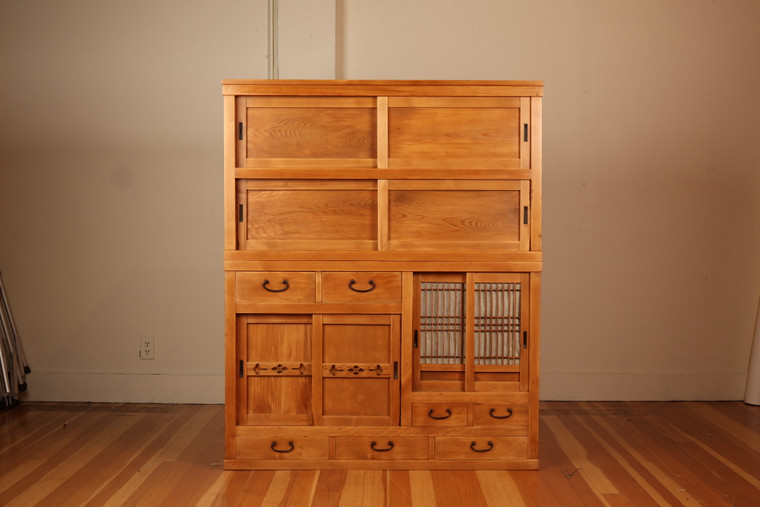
(314, 287)
(379, 447)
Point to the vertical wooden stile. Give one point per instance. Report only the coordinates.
(316, 369)
(469, 341)
(382, 163)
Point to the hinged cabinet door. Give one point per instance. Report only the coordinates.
(360, 369)
(274, 369)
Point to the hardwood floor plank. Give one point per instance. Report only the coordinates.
(594, 476)
(592, 453)
(181, 429)
(423, 491)
(50, 473)
(329, 488)
(365, 488)
(399, 488)
(558, 483)
(499, 489)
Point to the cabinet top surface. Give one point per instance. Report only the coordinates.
(380, 87)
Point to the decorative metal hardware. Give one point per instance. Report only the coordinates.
(525, 215)
(509, 414)
(355, 370)
(473, 444)
(240, 212)
(448, 414)
(395, 370)
(240, 131)
(290, 443)
(415, 339)
(525, 132)
(373, 444)
(284, 282)
(241, 369)
(353, 282)
(525, 339)
(279, 369)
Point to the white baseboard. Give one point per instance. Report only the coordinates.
(576, 386)
(567, 386)
(124, 388)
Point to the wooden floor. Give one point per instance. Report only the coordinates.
(624, 453)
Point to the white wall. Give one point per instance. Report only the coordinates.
(110, 190)
(110, 179)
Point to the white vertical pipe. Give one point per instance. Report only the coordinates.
(274, 35)
(752, 392)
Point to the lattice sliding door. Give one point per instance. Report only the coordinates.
(497, 323)
(442, 322)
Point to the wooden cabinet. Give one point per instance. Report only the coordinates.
(382, 274)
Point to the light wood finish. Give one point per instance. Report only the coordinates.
(612, 453)
(348, 198)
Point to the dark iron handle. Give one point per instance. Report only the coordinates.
(290, 443)
(490, 446)
(284, 282)
(353, 282)
(373, 444)
(448, 414)
(509, 414)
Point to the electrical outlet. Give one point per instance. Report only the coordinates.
(147, 347)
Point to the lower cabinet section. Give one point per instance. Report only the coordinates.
(372, 369)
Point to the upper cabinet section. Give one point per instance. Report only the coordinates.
(420, 128)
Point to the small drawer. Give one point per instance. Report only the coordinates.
(282, 447)
(381, 447)
(439, 414)
(480, 447)
(513, 415)
(361, 287)
(275, 287)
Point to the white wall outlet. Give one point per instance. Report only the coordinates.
(147, 347)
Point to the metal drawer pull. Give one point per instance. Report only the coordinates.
(290, 443)
(490, 446)
(373, 444)
(509, 414)
(353, 282)
(448, 414)
(284, 282)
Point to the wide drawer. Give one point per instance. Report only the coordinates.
(361, 287)
(282, 447)
(380, 447)
(275, 287)
(481, 447)
(439, 414)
